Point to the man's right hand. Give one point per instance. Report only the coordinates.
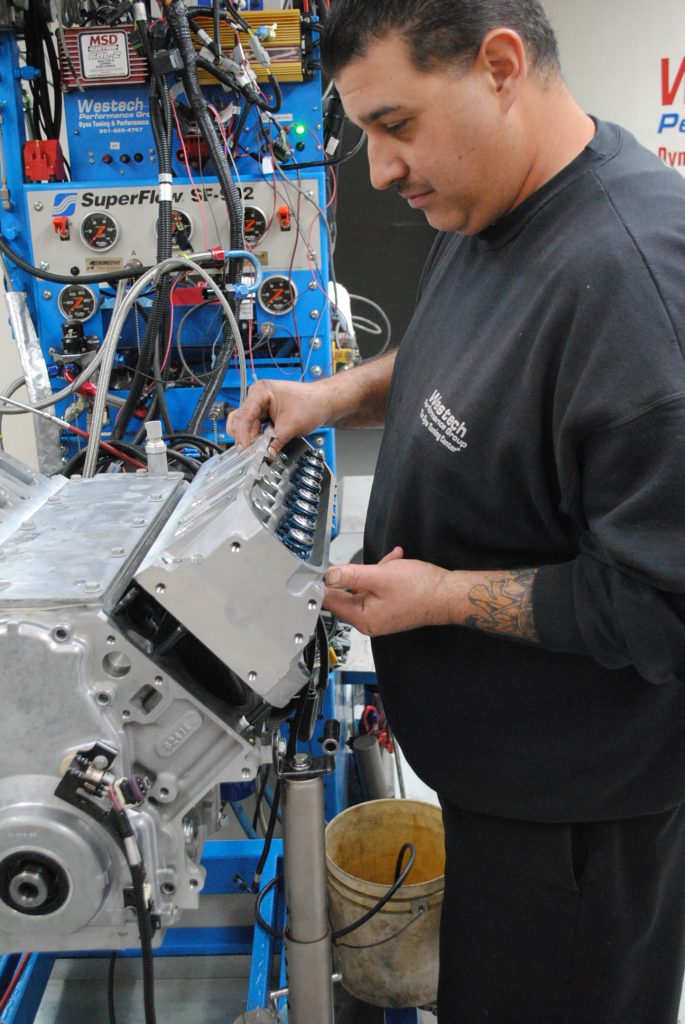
(293, 409)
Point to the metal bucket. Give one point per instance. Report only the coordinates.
(394, 962)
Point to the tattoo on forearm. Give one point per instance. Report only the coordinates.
(505, 605)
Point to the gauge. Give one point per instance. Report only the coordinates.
(277, 295)
(181, 228)
(99, 231)
(77, 302)
(254, 225)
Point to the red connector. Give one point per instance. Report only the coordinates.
(43, 160)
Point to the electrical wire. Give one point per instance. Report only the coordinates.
(45, 275)
(67, 426)
(137, 870)
(16, 978)
(384, 317)
(151, 276)
(100, 402)
(401, 875)
(110, 988)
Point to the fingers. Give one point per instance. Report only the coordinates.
(357, 577)
(346, 577)
(392, 555)
(244, 424)
(342, 604)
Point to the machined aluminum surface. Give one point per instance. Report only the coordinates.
(84, 660)
(222, 565)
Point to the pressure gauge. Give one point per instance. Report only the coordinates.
(99, 231)
(181, 228)
(77, 302)
(254, 225)
(277, 295)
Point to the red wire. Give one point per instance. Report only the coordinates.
(186, 161)
(16, 978)
(107, 447)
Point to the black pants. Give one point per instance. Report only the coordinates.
(562, 924)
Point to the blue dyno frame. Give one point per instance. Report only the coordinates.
(224, 860)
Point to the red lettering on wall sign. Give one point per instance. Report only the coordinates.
(668, 91)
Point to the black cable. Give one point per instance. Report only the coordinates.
(332, 162)
(104, 458)
(241, 124)
(160, 379)
(235, 15)
(273, 817)
(258, 907)
(44, 275)
(324, 658)
(160, 119)
(191, 464)
(400, 878)
(137, 871)
(194, 439)
(263, 777)
(177, 17)
(56, 78)
(226, 78)
(110, 988)
(216, 15)
(145, 933)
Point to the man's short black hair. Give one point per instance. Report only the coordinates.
(438, 32)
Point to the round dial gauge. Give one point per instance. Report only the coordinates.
(181, 228)
(99, 231)
(254, 224)
(77, 302)
(277, 295)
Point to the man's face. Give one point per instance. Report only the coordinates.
(441, 137)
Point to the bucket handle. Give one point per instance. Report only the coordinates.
(417, 910)
(400, 878)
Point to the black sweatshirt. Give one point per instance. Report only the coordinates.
(537, 419)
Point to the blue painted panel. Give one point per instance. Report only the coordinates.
(23, 1005)
(401, 1017)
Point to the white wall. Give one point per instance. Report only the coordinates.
(612, 52)
(611, 55)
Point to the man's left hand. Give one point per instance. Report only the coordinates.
(403, 593)
(393, 596)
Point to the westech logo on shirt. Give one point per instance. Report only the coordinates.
(672, 119)
(439, 420)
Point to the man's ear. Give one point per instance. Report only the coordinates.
(503, 57)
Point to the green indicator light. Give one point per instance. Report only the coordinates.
(300, 129)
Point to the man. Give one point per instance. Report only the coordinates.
(524, 580)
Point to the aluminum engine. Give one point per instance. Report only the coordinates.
(147, 629)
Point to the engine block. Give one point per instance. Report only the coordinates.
(161, 622)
